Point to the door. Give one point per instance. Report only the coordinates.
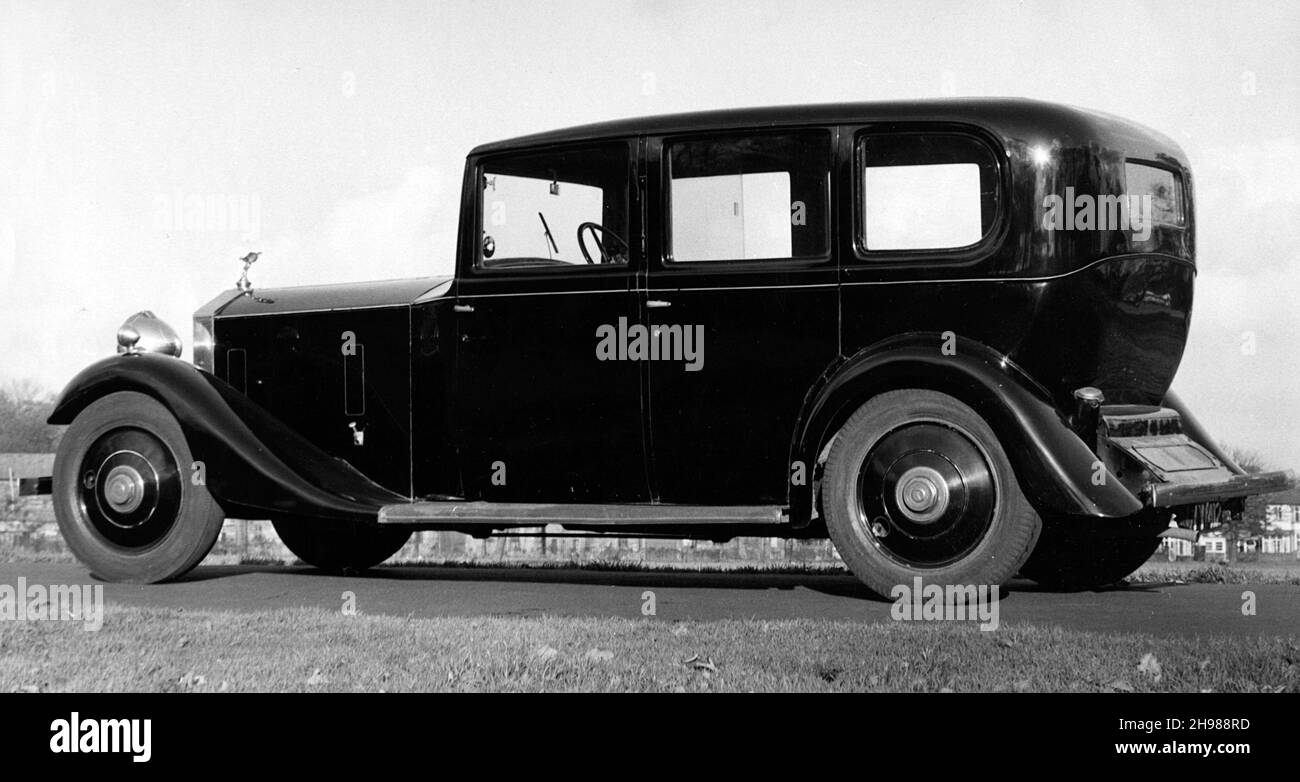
(543, 414)
(744, 280)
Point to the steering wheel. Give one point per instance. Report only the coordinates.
(597, 230)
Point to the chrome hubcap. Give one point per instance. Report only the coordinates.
(926, 494)
(922, 494)
(124, 488)
(130, 489)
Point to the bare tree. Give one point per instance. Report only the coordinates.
(1247, 459)
(24, 407)
(1251, 522)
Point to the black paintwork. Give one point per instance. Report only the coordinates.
(792, 347)
(251, 460)
(295, 366)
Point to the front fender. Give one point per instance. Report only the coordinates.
(1054, 468)
(252, 462)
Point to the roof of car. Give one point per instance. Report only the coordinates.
(1011, 114)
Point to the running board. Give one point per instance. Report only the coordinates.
(497, 514)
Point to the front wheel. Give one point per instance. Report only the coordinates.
(339, 546)
(917, 485)
(127, 496)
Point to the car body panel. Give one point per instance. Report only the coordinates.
(341, 378)
(537, 417)
(247, 458)
(347, 297)
(1054, 467)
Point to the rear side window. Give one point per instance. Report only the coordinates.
(749, 198)
(925, 191)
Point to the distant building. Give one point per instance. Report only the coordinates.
(1177, 548)
(1281, 533)
(1281, 523)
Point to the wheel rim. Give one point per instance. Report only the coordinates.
(129, 488)
(927, 494)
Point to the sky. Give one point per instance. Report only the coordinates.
(146, 146)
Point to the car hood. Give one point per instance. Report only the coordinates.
(323, 298)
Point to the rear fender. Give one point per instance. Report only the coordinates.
(250, 461)
(1055, 469)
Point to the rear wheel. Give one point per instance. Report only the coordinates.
(917, 484)
(125, 495)
(339, 546)
(1084, 553)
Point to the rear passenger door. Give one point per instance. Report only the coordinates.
(742, 279)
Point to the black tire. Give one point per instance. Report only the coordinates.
(339, 546)
(125, 494)
(916, 484)
(1074, 554)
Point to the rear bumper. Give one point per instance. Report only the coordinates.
(1166, 459)
(1164, 495)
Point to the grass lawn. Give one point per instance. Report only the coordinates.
(1262, 570)
(311, 650)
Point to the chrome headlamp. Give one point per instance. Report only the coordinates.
(145, 332)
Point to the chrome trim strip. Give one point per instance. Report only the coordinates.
(541, 293)
(909, 281)
(440, 289)
(745, 288)
(324, 309)
(1045, 278)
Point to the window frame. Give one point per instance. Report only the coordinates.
(966, 254)
(665, 198)
(635, 249)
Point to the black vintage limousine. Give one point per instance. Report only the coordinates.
(940, 333)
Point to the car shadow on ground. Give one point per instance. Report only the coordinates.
(831, 584)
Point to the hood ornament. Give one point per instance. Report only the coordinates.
(243, 284)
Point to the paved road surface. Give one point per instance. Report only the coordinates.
(1164, 609)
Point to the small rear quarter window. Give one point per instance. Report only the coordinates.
(1159, 190)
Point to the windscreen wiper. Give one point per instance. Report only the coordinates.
(549, 238)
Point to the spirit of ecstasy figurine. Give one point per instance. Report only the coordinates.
(243, 284)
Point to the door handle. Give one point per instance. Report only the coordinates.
(655, 304)
(463, 307)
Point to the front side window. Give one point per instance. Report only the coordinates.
(749, 198)
(563, 208)
(925, 191)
